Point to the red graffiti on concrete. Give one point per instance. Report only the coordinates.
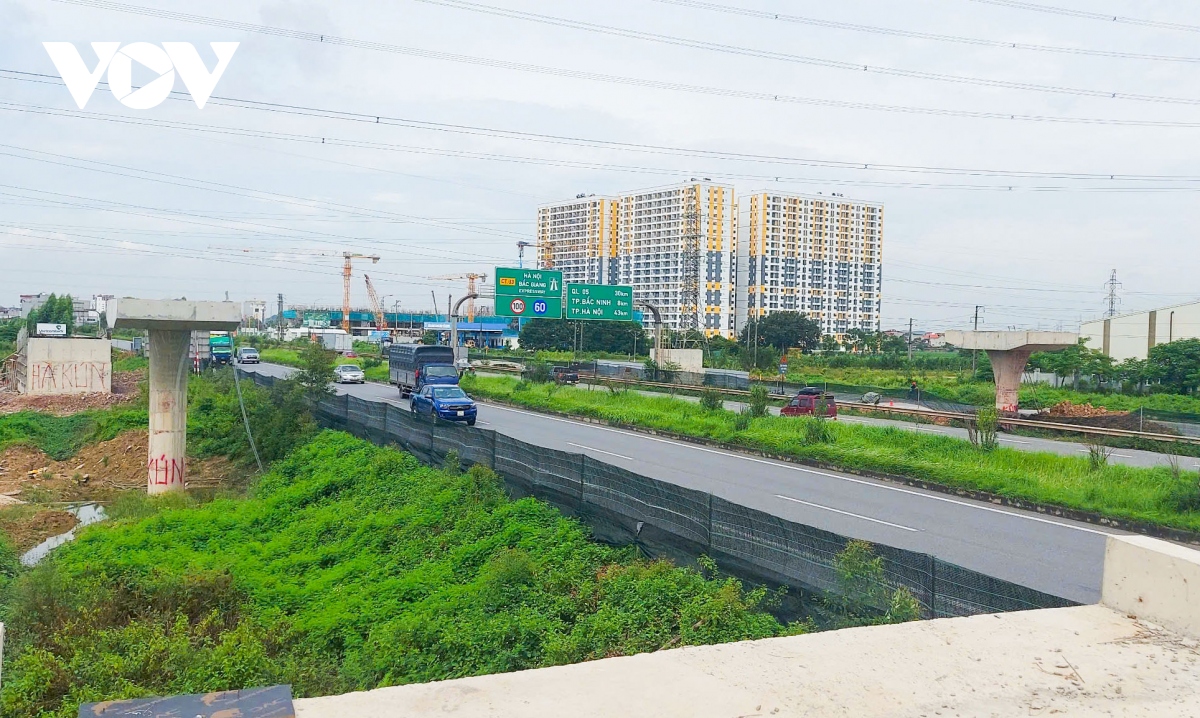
(165, 472)
(69, 375)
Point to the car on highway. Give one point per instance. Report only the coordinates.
(350, 354)
(446, 402)
(349, 374)
(247, 355)
(807, 401)
(564, 375)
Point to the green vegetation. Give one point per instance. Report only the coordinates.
(62, 436)
(55, 310)
(623, 339)
(374, 368)
(351, 567)
(1152, 495)
(124, 361)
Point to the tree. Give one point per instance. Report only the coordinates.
(614, 337)
(55, 310)
(892, 344)
(1176, 365)
(783, 331)
(830, 344)
(315, 372)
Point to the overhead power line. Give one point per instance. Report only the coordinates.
(1188, 183)
(614, 79)
(590, 143)
(1090, 15)
(787, 57)
(896, 32)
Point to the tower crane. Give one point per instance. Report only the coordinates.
(521, 245)
(470, 277)
(376, 305)
(349, 257)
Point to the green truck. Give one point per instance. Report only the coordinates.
(220, 346)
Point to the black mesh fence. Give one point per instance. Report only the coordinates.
(672, 521)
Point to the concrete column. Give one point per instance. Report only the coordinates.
(1007, 367)
(169, 369)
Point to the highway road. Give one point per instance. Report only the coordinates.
(1061, 557)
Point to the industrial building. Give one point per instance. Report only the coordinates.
(674, 245)
(1131, 336)
(710, 262)
(816, 254)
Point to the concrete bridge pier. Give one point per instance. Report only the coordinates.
(1009, 352)
(170, 324)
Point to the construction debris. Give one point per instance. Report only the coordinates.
(124, 390)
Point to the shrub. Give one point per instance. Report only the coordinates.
(817, 430)
(741, 421)
(760, 396)
(1098, 453)
(711, 399)
(537, 372)
(983, 430)
(370, 362)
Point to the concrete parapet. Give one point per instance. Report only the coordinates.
(1154, 580)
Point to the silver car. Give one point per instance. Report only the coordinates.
(348, 374)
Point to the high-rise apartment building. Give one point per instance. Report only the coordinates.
(710, 263)
(816, 254)
(579, 239)
(674, 245)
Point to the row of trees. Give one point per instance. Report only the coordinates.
(55, 310)
(1174, 366)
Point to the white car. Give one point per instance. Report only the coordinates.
(348, 374)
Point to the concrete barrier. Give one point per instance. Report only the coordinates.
(1153, 580)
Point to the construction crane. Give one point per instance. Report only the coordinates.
(349, 257)
(376, 305)
(521, 245)
(470, 277)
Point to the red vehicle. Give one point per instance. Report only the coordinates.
(350, 354)
(805, 403)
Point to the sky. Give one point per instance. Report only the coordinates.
(427, 132)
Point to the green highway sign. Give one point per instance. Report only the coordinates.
(528, 283)
(599, 301)
(529, 307)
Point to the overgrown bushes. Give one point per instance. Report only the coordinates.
(353, 566)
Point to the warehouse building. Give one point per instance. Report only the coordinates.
(1131, 336)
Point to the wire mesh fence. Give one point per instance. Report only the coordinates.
(667, 520)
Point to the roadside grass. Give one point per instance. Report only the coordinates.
(291, 357)
(62, 436)
(130, 362)
(958, 387)
(1153, 495)
(350, 567)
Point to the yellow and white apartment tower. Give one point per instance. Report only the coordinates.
(674, 245)
(820, 255)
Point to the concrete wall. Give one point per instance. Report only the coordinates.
(688, 359)
(1154, 580)
(65, 366)
(1130, 336)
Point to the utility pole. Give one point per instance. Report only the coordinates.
(1112, 298)
(910, 332)
(280, 324)
(975, 352)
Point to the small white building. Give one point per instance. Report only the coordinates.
(1131, 336)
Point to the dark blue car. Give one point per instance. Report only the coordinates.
(444, 402)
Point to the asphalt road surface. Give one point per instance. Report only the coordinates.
(1061, 557)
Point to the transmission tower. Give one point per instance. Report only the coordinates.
(1112, 299)
(689, 295)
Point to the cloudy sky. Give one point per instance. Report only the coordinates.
(427, 132)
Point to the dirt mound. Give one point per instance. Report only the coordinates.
(1113, 420)
(1070, 410)
(124, 390)
(27, 526)
(97, 472)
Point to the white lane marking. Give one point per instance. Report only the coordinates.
(1123, 456)
(844, 513)
(601, 451)
(791, 467)
(1015, 441)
